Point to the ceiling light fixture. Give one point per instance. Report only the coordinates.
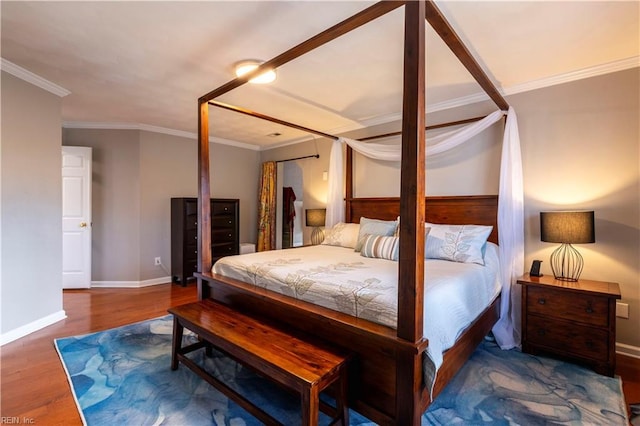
(247, 66)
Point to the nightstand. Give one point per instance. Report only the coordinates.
(574, 320)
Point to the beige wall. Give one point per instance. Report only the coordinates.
(235, 173)
(580, 149)
(467, 170)
(31, 206)
(136, 173)
(115, 201)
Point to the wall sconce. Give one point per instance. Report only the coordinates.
(567, 227)
(316, 218)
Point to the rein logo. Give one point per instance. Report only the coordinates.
(15, 420)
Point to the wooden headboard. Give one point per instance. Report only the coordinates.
(455, 210)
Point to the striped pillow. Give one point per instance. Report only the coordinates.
(381, 247)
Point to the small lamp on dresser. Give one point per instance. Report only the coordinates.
(566, 228)
(316, 218)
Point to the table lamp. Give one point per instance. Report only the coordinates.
(316, 218)
(566, 228)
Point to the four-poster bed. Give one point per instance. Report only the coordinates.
(386, 377)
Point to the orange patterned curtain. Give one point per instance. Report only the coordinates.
(267, 208)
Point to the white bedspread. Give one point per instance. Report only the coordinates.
(340, 279)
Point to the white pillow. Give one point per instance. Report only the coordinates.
(368, 226)
(458, 243)
(342, 235)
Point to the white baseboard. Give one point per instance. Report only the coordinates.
(628, 350)
(130, 284)
(31, 327)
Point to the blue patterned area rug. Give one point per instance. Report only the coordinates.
(122, 376)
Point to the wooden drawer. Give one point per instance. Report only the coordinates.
(223, 222)
(570, 339)
(224, 249)
(191, 222)
(191, 252)
(217, 235)
(190, 236)
(582, 308)
(223, 235)
(222, 208)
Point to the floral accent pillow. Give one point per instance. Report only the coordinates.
(342, 235)
(458, 243)
(368, 226)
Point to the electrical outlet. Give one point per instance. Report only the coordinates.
(157, 261)
(622, 310)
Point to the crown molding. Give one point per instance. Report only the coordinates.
(611, 67)
(154, 129)
(29, 77)
(608, 68)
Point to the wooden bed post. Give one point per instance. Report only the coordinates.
(204, 196)
(412, 204)
(348, 182)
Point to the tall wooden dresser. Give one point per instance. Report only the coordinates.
(225, 236)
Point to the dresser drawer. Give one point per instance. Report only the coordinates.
(222, 208)
(223, 235)
(224, 249)
(223, 222)
(190, 236)
(583, 308)
(191, 252)
(191, 222)
(581, 341)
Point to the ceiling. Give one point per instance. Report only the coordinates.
(144, 64)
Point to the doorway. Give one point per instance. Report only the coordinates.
(290, 202)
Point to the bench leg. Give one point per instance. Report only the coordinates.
(176, 345)
(310, 405)
(342, 395)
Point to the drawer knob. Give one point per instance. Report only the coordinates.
(589, 309)
(589, 344)
(541, 332)
(541, 301)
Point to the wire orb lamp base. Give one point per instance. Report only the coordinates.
(317, 236)
(566, 263)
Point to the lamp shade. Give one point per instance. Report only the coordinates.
(571, 227)
(315, 217)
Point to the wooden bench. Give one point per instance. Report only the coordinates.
(292, 362)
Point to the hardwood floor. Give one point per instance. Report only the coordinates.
(34, 386)
(33, 383)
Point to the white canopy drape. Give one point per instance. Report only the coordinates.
(510, 203)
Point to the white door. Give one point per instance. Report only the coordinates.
(76, 217)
